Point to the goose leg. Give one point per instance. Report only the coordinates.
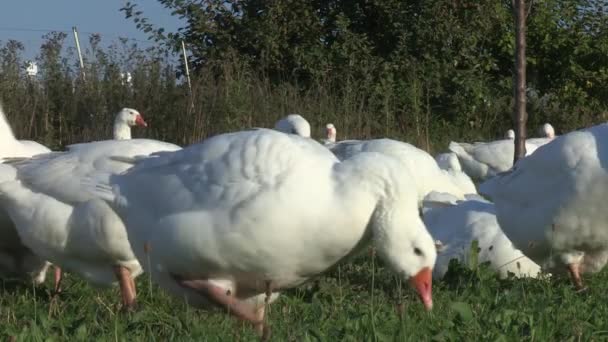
(263, 329)
(127, 287)
(225, 299)
(574, 271)
(58, 278)
(132, 285)
(41, 275)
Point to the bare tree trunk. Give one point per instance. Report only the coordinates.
(520, 116)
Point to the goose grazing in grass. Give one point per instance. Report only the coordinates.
(456, 224)
(58, 220)
(421, 165)
(483, 160)
(237, 218)
(16, 260)
(294, 124)
(125, 119)
(551, 205)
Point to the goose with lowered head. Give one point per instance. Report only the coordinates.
(294, 124)
(429, 177)
(421, 165)
(455, 224)
(483, 160)
(58, 220)
(551, 205)
(237, 218)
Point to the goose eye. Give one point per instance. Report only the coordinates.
(417, 251)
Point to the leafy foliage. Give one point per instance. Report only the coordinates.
(453, 59)
(423, 71)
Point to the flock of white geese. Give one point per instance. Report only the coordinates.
(233, 220)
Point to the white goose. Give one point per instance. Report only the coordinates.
(457, 223)
(294, 124)
(551, 205)
(15, 258)
(253, 212)
(421, 165)
(483, 160)
(10, 147)
(448, 161)
(548, 134)
(61, 223)
(330, 130)
(124, 120)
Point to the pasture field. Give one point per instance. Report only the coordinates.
(360, 301)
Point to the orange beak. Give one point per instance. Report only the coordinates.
(139, 121)
(422, 283)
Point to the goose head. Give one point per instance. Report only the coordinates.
(294, 124)
(510, 134)
(331, 132)
(398, 232)
(547, 131)
(394, 224)
(402, 239)
(125, 119)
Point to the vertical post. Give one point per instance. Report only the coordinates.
(520, 116)
(186, 66)
(191, 107)
(79, 52)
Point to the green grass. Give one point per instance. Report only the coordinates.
(356, 302)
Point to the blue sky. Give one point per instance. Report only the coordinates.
(26, 20)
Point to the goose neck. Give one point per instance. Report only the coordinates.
(6, 133)
(370, 174)
(122, 131)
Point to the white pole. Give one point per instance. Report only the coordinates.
(187, 69)
(79, 53)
